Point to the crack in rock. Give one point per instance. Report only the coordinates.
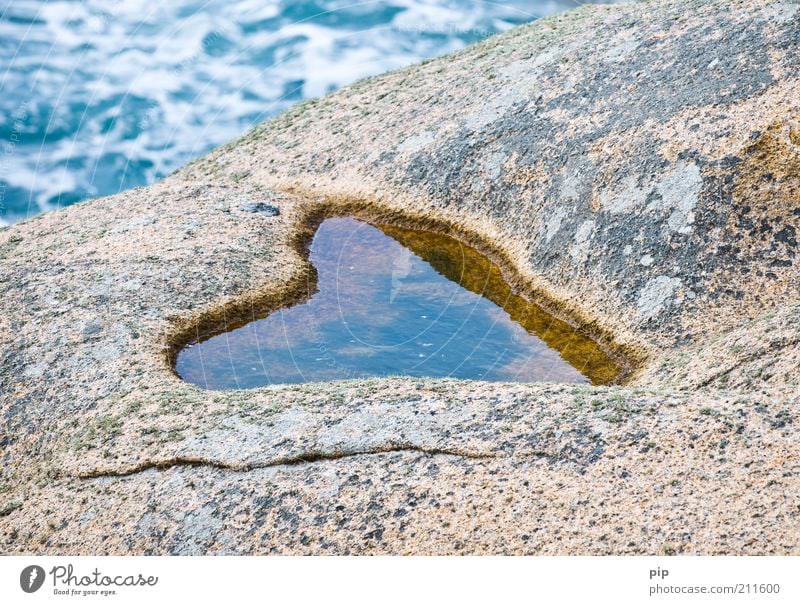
(283, 461)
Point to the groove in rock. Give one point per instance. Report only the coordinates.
(286, 461)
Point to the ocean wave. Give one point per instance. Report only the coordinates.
(102, 95)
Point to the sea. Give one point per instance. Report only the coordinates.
(97, 96)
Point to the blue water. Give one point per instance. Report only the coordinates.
(97, 96)
(378, 310)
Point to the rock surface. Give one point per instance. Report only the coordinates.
(635, 168)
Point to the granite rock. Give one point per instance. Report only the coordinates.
(633, 168)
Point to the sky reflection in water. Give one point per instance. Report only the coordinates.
(393, 301)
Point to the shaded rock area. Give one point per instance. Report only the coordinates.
(635, 168)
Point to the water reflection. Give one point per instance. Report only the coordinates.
(394, 301)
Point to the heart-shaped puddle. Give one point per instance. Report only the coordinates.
(393, 301)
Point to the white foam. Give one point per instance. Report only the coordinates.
(159, 91)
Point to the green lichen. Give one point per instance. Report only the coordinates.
(9, 507)
(11, 243)
(99, 430)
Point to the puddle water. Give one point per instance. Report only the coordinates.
(394, 301)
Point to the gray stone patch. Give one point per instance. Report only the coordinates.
(521, 78)
(580, 249)
(493, 109)
(782, 12)
(198, 529)
(93, 327)
(137, 223)
(37, 370)
(191, 226)
(131, 285)
(237, 441)
(261, 208)
(622, 50)
(416, 142)
(106, 353)
(553, 223)
(626, 199)
(523, 68)
(569, 189)
(656, 295)
(680, 191)
(575, 179)
(493, 164)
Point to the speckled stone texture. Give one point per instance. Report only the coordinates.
(635, 168)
